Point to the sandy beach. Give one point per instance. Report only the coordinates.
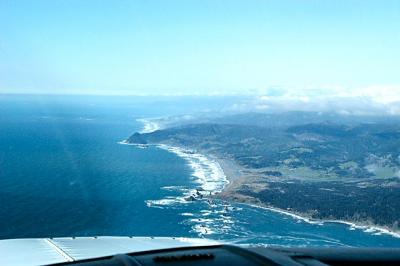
(239, 177)
(231, 178)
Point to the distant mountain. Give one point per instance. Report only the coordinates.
(287, 119)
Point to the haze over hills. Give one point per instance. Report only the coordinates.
(323, 165)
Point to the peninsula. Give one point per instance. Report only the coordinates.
(323, 166)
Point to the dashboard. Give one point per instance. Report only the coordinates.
(235, 255)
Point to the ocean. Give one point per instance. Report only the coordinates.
(65, 172)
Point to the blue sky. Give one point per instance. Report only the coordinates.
(196, 47)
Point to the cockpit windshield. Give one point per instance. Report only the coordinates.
(249, 122)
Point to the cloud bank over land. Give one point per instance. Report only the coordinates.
(373, 100)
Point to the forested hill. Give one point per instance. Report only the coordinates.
(338, 150)
(326, 169)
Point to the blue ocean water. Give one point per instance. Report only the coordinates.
(63, 173)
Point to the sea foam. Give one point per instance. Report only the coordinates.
(206, 172)
(209, 176)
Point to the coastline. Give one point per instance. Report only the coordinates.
(207, 171)
(231, 176)
(236, 177)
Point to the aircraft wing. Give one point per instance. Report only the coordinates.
(42, 251)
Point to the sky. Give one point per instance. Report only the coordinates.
(272, 48)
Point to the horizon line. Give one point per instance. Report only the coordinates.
(131, 94)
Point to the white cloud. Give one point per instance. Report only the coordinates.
(372, 100)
